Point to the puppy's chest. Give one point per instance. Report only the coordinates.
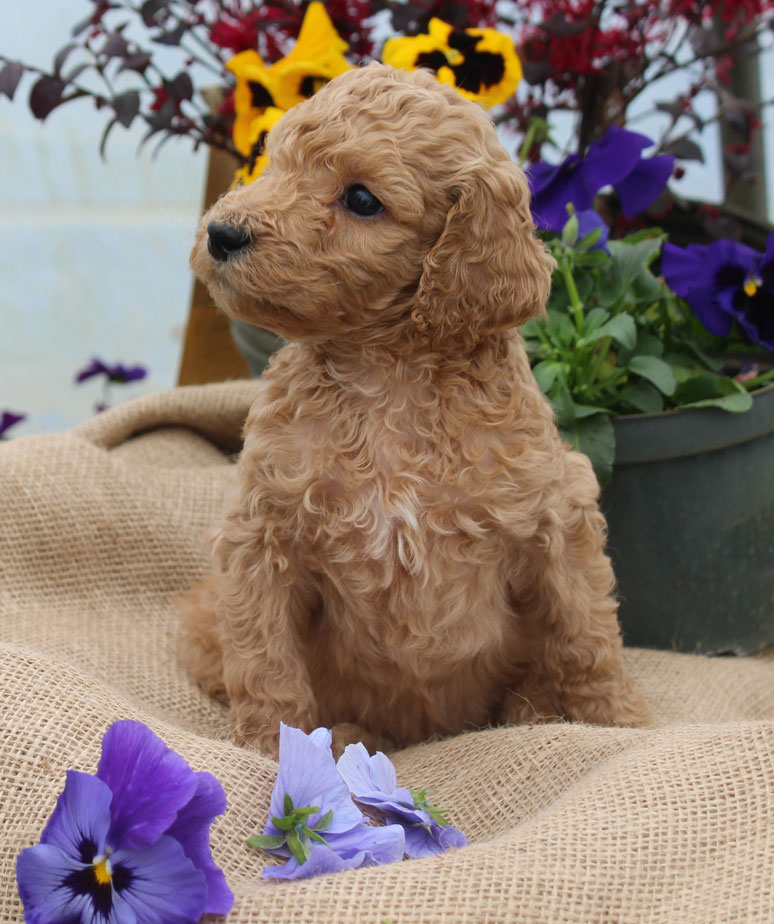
(387, 497)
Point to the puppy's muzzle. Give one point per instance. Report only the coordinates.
(225, 240)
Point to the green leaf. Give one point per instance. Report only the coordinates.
(547, 372)
(266, 841)
(589, 240)
(295, 845)
(595, 437)
(560, 329)
(648, 345)
(287, 804)
(621, 328)
(654, 370)
(709, 390)
(629, 261)
(570, 231)
(595, 318)
(284, 824)
(591, 258)
(325, 821)
(643, 397)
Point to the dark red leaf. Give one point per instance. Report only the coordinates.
(115, 45)
(127, 105)
(46, 95)
(70, 76)
(105, 134)
(61, 57)
(180, 87)
(10, 76)
(154, 12)
(137, 61)
(684, 149)
(173, 37)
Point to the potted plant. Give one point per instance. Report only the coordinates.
(663, 382)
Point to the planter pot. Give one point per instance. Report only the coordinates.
(690, 510)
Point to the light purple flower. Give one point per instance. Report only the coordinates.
(373, 782)
(130, 844)
(312, 818)
(614, 160)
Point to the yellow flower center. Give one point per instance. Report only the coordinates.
(751, 286)
(103, 871)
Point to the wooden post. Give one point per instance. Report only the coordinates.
(209, 353)
(748, 198)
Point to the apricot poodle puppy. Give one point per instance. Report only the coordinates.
(410, 551)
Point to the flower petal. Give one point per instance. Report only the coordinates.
(644, 184)
(40, 874)
(551, 192)
(612, 157)
(361, 846)
(424, 842)
(164, 886)
(682, 268)
(191, 829)
(149, 781)
(321, 860)
(307, 773)
(80, 822)
(767, 264)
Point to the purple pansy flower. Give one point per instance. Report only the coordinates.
(130, 844)
(725, 282)
(8, 420)
(117, 372)
(614, 160)
(312, 818)
(373, 782)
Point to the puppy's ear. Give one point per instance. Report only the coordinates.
(487, 271)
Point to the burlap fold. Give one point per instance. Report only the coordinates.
(101, 526)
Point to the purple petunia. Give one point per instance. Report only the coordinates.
(312, 818)
(7, 420)
(117, 372)
(614, 160)
(130, 844)
(373, 782)
(725, 282)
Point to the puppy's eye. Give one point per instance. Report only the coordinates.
(362, 202)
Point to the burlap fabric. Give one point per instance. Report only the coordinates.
(103, 525)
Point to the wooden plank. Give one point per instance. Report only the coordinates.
(209, 354)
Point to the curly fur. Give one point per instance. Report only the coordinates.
(410, 551)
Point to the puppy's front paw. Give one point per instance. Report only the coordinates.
(347, 733)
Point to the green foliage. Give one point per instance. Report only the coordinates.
(617, 341)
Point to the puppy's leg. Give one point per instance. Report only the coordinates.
(263, 610)
(200, 647)
(345, 733)
(569, 610)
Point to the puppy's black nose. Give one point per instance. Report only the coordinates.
(225, 240)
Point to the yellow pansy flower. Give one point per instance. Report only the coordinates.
(481, 64)
(316, 58)
(257, 158)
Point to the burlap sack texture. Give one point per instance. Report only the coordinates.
(103, 525)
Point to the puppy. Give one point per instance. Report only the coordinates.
(410, 551)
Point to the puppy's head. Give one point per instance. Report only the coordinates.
(389, 210)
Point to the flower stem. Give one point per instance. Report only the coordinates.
(572, 290)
